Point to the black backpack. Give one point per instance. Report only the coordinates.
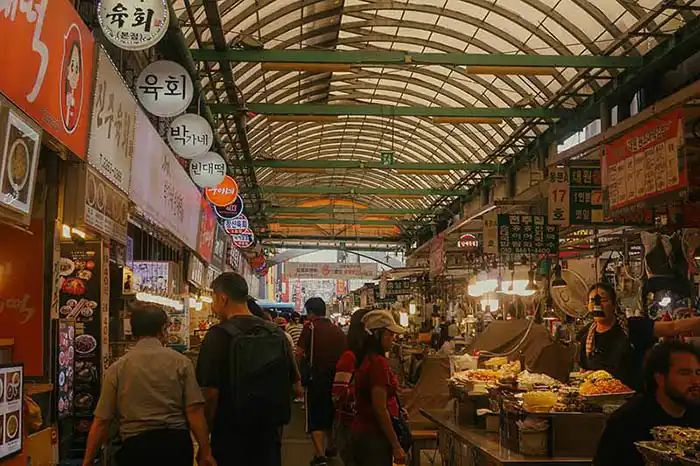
(261, 370)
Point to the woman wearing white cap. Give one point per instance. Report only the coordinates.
(375, 440)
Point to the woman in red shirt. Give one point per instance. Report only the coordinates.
(376, 395)
(343, 387)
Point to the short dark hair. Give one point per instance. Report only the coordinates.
(147, 320)
(316, 306)
(659, 360)
(356, 332)
(232, 285)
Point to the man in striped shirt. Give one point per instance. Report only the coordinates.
(294, 328)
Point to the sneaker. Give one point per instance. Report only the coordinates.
(319, 461)
(331, 453)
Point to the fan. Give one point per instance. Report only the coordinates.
(573, 297)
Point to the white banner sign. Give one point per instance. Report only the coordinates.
(111, 143)
(160, 186)
(330, 270)
(491, 233)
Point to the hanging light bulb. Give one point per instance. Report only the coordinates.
(531, 281)
(549, 313)
(499, 287)
(558, 281)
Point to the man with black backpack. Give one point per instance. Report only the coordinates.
(247, 373)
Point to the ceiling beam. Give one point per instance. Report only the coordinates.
(336, 221)
(410, 58)
(340, 238)
(345, 210)
(388, 110)
(348, 191)
(335, 246)
(359, 164)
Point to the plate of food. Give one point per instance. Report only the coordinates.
(65, 267)
(73, 286)
(85, 344)
(12, 426)
(18, 169)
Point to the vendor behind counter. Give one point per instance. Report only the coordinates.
(617, 344)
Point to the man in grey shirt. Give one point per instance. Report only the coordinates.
(152, 393)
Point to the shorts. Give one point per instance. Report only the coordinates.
(320, 410)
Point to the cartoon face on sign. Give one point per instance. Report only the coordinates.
(71, 79)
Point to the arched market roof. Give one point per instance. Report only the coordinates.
(588, 28)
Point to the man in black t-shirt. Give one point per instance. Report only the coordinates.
(672, 398)
(249, 442)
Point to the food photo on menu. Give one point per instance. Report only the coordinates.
(13, 386)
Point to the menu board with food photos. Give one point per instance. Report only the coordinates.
(80, 297)
(11, 409)
(66, 368)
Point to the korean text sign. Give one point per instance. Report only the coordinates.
(160, 186)
(47, 63)
(111, 144)
(646, 162)
(207, 231)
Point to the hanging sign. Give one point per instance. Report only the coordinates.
(233, 257)
(468, 241)
(223, 194)
(527, 234)
(330, 270)
(231, 211)
(208, 170)
(491, 233)
(164, 88)
(586, 195)
(645, 163)
(243, 240)
(236, 226)
(558, 202)
(217, 256)
(160, 186)
(47, 63)
(207, 231)
(437, 255)
(19, 156)
(195, 271)
(190, 135)
(113, 124)
(132, 24)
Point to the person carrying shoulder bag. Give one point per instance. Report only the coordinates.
(381, 434)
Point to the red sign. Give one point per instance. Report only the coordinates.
(646, 162)
(47, 62)
(207, 231)
(21, 294)
(224, 194)
(468, 241)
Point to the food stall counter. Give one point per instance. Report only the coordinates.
(485, 447)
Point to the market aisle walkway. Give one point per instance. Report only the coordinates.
(297, 449)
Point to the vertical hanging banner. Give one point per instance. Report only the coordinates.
(491, 233)
(207, 231)
(437, 255)
(113, 124)
(558, 201)
(586, 195)
(47, 63)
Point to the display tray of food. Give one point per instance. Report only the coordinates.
(672, 445)
(602, 386)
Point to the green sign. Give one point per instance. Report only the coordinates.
(586, 195)
(387, 158)
(527, 234)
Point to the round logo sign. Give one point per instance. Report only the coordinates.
(236, 226)
(244, 240)
(468, 241)
(224, 193)
(164, 88)
(208, 170)
(190, 135)
(133, 24)
(231, 211)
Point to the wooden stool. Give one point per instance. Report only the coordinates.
(422, 440)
